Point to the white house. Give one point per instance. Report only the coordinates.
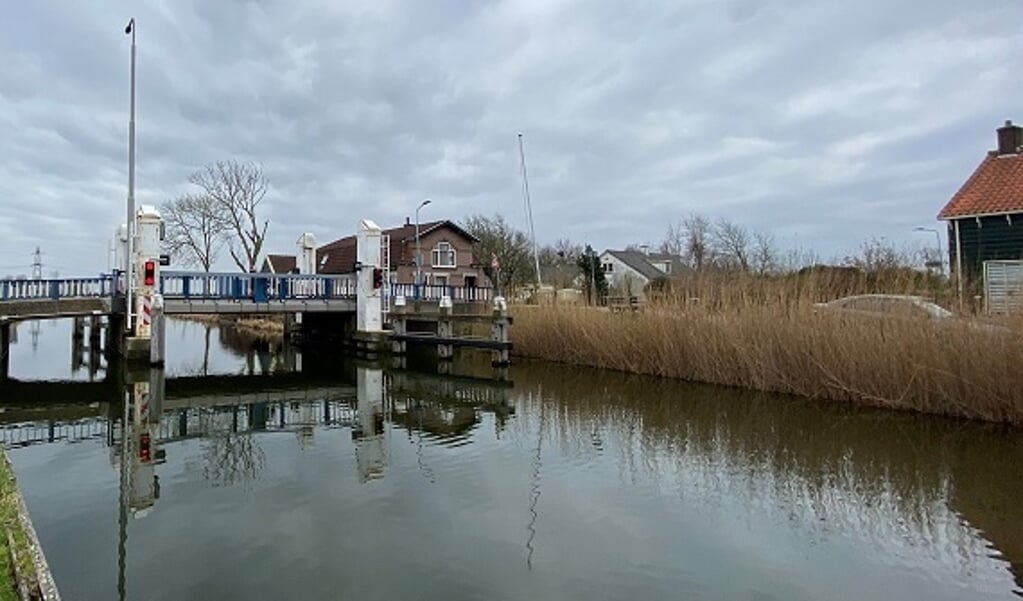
(629, 271)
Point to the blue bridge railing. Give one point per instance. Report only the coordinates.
(103, 286)
(458, 294)
(258, 287)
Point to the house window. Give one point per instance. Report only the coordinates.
(443, 255)
(608, 267)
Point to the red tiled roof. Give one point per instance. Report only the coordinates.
(995, 187)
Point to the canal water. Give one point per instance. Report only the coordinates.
(347, 481)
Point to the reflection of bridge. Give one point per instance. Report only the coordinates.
(47, 412)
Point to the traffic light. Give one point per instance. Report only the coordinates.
(144, 454)
(378, 277)
(149, 278)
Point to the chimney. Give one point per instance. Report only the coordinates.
(1010, 138)
(408, 221)
(645, 248)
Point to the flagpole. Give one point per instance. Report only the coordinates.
(129, 267)
(529, 211)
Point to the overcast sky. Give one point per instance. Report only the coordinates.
(823, 122)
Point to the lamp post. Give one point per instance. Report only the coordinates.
(129, 259)
(937, 240)
(419, 251)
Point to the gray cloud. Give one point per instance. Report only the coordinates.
(825, 123)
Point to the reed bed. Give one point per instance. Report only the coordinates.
(767, 334)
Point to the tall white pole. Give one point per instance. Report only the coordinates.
(529, 210)
(129, 267)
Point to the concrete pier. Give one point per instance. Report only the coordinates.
(5, 350)
(499, 333)
(445, 331)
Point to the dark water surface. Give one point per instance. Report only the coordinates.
(353, 482)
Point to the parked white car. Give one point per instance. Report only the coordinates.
(898, 304)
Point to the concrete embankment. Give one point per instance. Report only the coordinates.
(26, 574)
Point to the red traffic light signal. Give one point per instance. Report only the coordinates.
(378, 277)
(149, 277)
(144, 451)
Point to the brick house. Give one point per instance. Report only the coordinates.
(446, 247)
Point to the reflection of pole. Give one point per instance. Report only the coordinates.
(122, 514)
(534, 493)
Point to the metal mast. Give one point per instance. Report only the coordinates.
(529, 211)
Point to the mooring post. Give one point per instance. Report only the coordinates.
(78, 332)
(289, 325)
(499, 332)
(114, 346)
(5, 349)
(95, 330)
(398, 325)
(158, 333)
(445, 350)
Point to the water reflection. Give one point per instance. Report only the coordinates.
(911, 488)
(570, 483)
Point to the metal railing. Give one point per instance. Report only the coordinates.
(57, 289)
(257, 287)
(457, 294)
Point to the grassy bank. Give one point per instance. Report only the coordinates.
(768, 336)
(12, 525)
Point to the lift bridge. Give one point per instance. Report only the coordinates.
(132, 309)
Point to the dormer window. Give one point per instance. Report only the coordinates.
(443, 255)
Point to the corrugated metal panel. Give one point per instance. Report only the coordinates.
(1003, 286)
(996, 238)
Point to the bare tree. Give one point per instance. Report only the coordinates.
(236, 190)
(674, 242)
(558, 262)
(733, 244)
(195, 229)
(697, 235)
(765, 254)
(878, 254)
(510, 246)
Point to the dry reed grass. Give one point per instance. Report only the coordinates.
(261, 325)
(765, 334)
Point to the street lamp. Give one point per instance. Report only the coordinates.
(129, 259)
(937, 240)
(419, 251)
